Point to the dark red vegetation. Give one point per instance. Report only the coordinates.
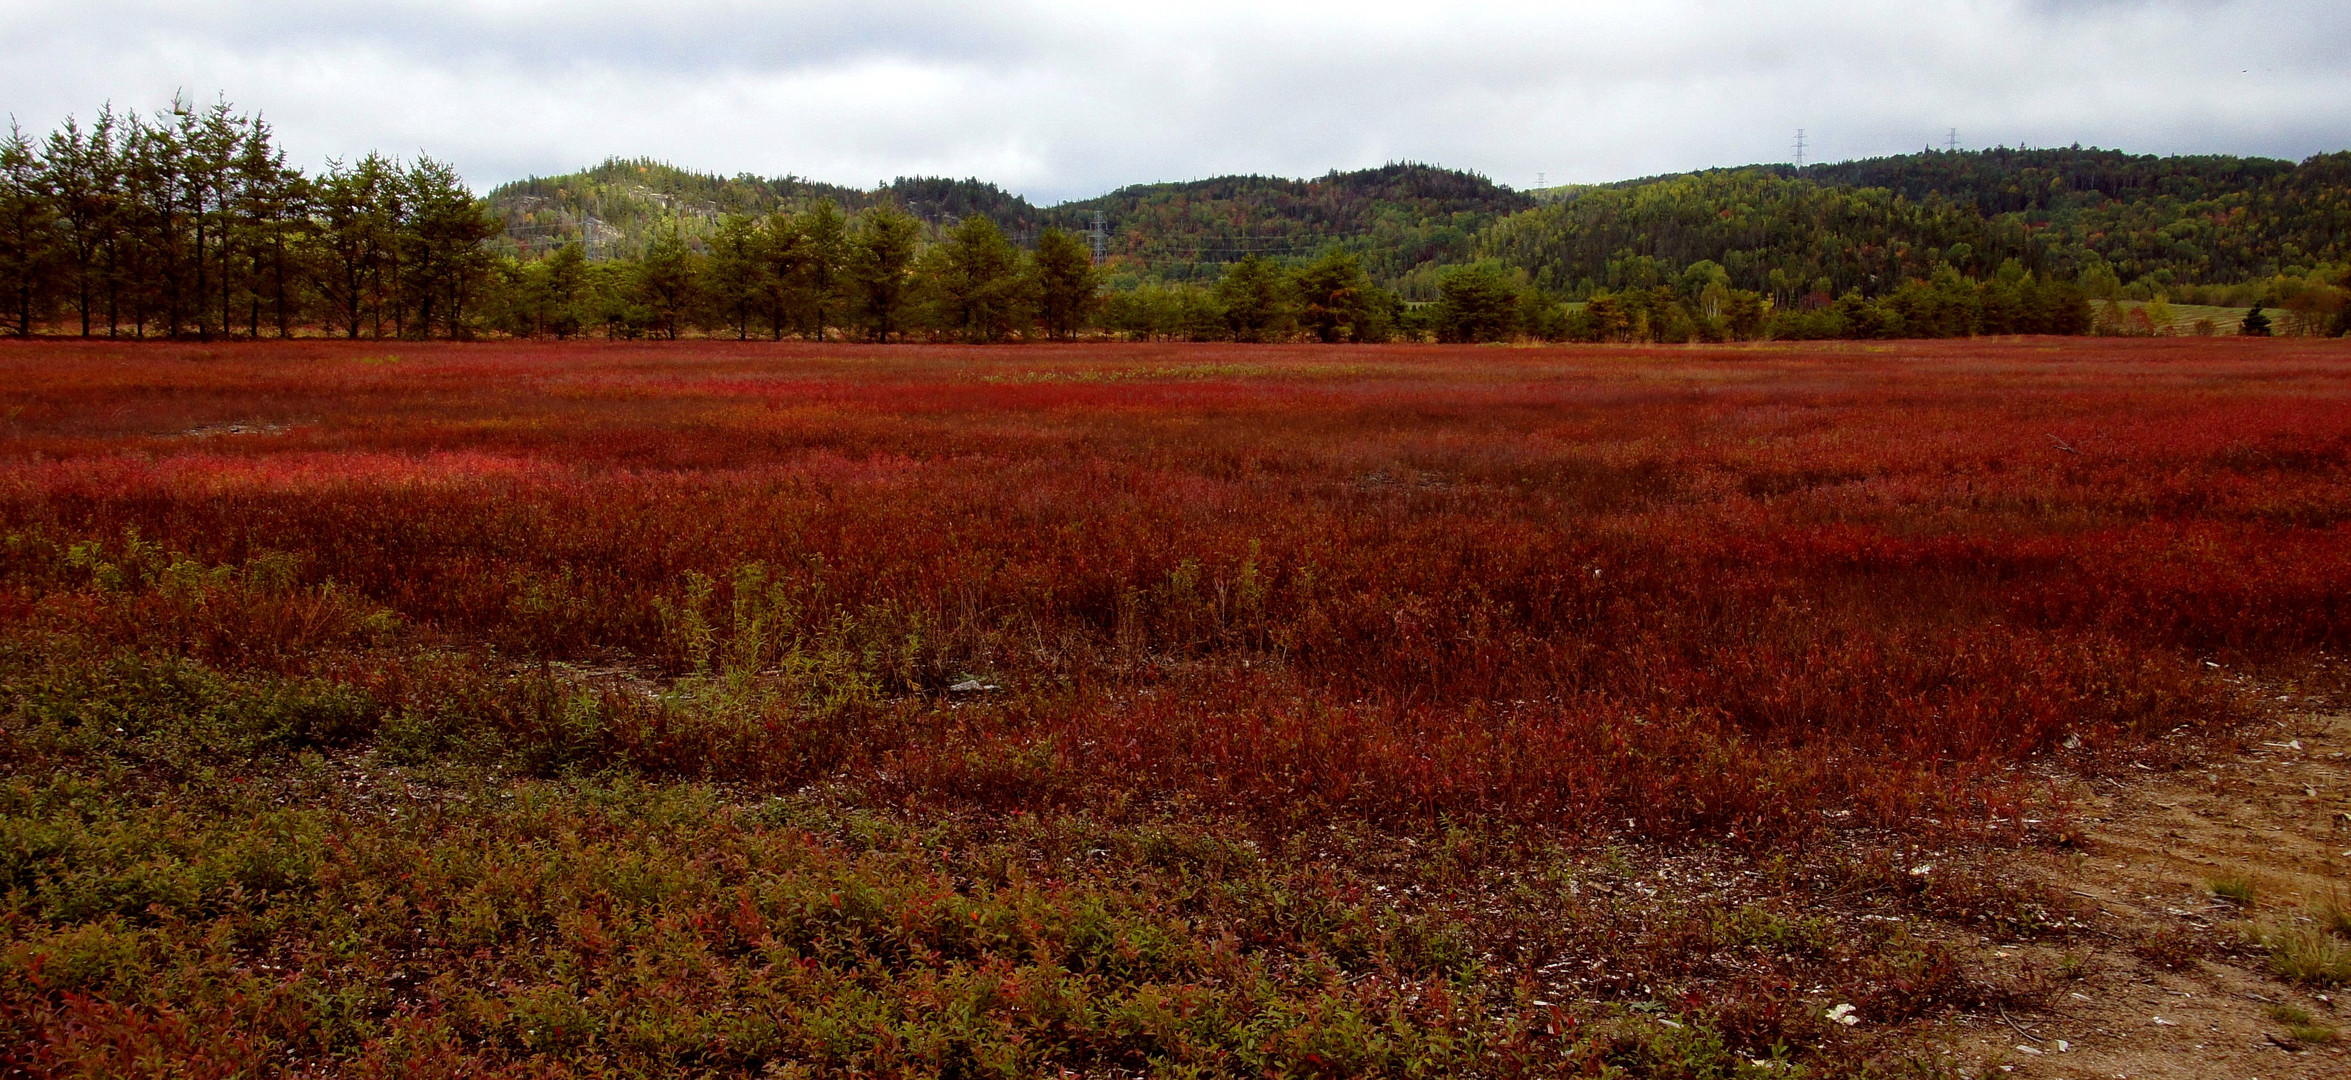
(1712, 591)
(1197, 710)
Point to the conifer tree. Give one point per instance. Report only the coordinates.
(27, 251)
(975, 280)
(826, 261)
(84, 184)
(1251, 294)
(1335, 299)
(1068, 286)
(880, 266)
(735, 272)
(2256, 324)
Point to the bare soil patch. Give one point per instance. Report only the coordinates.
(2176, 982)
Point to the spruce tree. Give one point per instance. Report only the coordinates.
(1067, 284)
(2256, 324)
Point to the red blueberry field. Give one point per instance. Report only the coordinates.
(701, 708)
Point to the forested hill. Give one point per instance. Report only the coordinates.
(1397, 217)
(2161, 223)
(623, 203)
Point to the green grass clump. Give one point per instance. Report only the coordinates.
(2233, 888)
(2334, 916)
(2310, 956)
(2300, 1025)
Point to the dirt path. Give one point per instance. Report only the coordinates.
(2172, 985)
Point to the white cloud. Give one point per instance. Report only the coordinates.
(1066, 99)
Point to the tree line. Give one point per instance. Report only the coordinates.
(812, 275)
(190, 223)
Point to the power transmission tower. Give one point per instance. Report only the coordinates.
(1799, 148)
(1951, 142)
(1542, 180)
(1099, 233)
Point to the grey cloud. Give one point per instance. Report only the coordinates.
(1062, 99)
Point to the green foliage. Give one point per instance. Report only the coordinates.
(1068, 287)
(667, 286)
(622, 205)
(2302, 954)
(26, 234)
(1476, 303)
(2232, 888)
(2256, 324)
(2300, 1025)
(817, 265)
(192, 223)
(1337, 302)
(976, 283)
(735, 273)
(1396, 219)
(1164, 313)
(1253, 294)
(881, 269)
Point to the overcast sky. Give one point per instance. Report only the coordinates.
(1062, 100)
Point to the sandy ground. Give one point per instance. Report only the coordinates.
(2278, 816)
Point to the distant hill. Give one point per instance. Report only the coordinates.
(619, 206)
(1398, 217)
(2167, 221)
(1794, 233)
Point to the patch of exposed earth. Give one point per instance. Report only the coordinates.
(2173, 981)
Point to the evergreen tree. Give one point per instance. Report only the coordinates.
(880, 267)
(826, 258)
(1251, 294)
(442, 236)
(354, 240)
(272, 205)
(667, 286)
(735, 272)
(1475, 303)
(27, 248)
(566, 289)
(2256, 324)
(84, 182)
(1335, 299)
(1068, 286)
(543, 296)
(784, 274)
(975, 282)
